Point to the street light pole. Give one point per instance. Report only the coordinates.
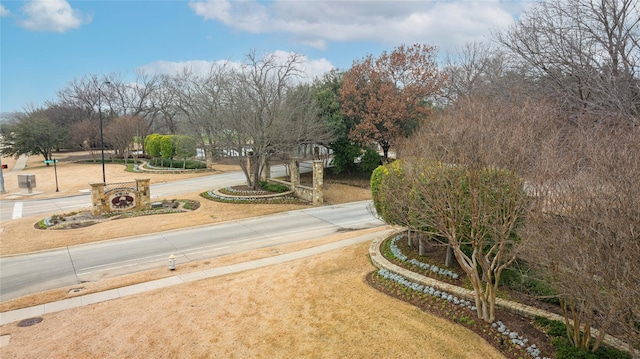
(104, 177)
(1, 177)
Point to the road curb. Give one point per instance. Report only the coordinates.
(116, 293)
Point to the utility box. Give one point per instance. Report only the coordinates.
(26, 183)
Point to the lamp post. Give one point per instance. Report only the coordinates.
(2, 177)
(104, 177)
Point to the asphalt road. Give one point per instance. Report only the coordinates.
(17, 209)
(32, 273)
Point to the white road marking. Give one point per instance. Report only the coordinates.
(17, 210)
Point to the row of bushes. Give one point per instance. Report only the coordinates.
(566, 350)
(515, 278)
(188, 164)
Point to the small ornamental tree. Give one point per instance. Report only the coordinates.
(121, 133)
(477, 212)
(85, 134)
(167, 148)
(585, 233)
(152, 145)
(185, 147)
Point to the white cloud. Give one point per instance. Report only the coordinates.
(249, 16)
(174, 68)
(446, 24)
(309, 67)
(3, 11)
(52, 15)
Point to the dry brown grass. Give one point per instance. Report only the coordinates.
(76, 176)
(100, 284)
(318, 307)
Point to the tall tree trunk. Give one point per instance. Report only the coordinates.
(422, 246)
(385, 150)
(448, 260)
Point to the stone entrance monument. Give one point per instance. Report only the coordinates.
(114, 197)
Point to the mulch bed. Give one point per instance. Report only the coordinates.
(467, 318)
(436, 255)
(244, 191)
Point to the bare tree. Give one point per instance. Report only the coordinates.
(461, 181)
(204, 106)
(586, 52)
(85, 134)
(585, 231)
(167, 108)
(134, 98)
(482, 69)
(267, 114)
(89, 92)
(123, 132)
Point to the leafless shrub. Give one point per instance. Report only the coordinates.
(585, 232)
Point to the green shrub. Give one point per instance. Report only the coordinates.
(152, 145)
(514, 278)
(42, 225)
(168, 163)
(370, 160)
(344, 154)
(273, 187)
(566, 350)
(375, 183)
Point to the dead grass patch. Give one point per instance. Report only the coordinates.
(318, 307)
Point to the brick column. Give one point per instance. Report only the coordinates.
(318, 182)
(98, 199)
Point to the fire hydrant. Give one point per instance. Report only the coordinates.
(172, 262)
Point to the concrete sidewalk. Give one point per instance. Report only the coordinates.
(38, 310)
(21, 163)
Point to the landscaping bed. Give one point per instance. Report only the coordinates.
(245, 194)
(466, 317)
(81, 219)
(509, 328)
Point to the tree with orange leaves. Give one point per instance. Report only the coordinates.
(387, 97)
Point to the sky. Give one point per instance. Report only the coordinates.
(45, 44)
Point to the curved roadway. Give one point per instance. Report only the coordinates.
(31, 273)
(16, 209)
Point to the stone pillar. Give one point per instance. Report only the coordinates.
(144, 193)
(98, 199)
(248, 164)
(294, 169)
(318, 182)
(266, 170)
(251, 163)
(208, 156)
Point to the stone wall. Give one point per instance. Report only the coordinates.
(120, 197)
(312, 194)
